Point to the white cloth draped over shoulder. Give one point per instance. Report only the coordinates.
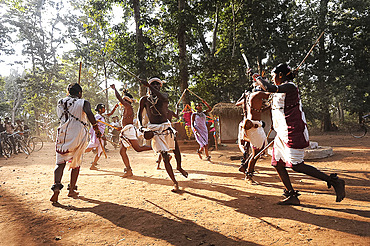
(72, 132)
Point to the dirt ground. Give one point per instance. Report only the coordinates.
(216, 206)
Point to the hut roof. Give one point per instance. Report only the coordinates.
(227, 110)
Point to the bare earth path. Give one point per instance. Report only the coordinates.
(216, 206)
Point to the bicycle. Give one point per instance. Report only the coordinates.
(360, 130)
(6, 146)
(33, 143)
(20, 143)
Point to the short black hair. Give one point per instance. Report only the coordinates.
(128, 94)
(284, 69)
(99, 106)
(74, 89)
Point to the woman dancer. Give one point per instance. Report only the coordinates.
(199, 127)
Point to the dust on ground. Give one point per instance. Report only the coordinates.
(216, 206)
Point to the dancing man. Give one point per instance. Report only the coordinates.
(73, 113)
(199, 127)
(292, 134)
(128, 133)
(164, 136)
(251, 129)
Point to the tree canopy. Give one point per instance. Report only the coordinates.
(195, 44)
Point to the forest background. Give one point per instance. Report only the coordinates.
(189, 44)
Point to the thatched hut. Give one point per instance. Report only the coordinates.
(229, 117)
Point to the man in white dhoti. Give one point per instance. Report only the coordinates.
(128, 135)
(164, 136)
(73, 113)
(251, 129)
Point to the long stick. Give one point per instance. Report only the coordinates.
(103, 90)
(105, 123)
(308, 53)
(182, 95)
(79, 73)
(246, 61)
(195, 95)
(127, 71)
(263, 150)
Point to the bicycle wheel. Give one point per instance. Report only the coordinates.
(23, 146)
(358, 131)
(35, 144)
(7, 149)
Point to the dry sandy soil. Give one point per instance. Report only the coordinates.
(216, 206)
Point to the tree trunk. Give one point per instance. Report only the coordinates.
(183, 64)
(214, 35)
(322, 79)
(142, 73)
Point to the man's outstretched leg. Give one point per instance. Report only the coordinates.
(169, 170)
(177, 153)
(332, 180)
(57, 186)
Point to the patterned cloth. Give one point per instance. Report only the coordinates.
(72, 133)
(200, 126)
(291, 129)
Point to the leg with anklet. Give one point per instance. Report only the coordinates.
(57, 186)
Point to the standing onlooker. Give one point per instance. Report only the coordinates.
(10, 130)
(2, 129)
(199, 126)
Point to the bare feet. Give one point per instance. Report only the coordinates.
(72, 193)
(200, 154)
(175, 188)
(94, 166)
(249, 179)
(208, 158)
(183, 172)
(127, 173)
(54, 197)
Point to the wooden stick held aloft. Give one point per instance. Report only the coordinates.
(79, 73)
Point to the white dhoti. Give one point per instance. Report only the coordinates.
(164, 137)
(128, 133)
(281, 152)
(256, 136)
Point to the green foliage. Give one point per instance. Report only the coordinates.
(334, 77)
